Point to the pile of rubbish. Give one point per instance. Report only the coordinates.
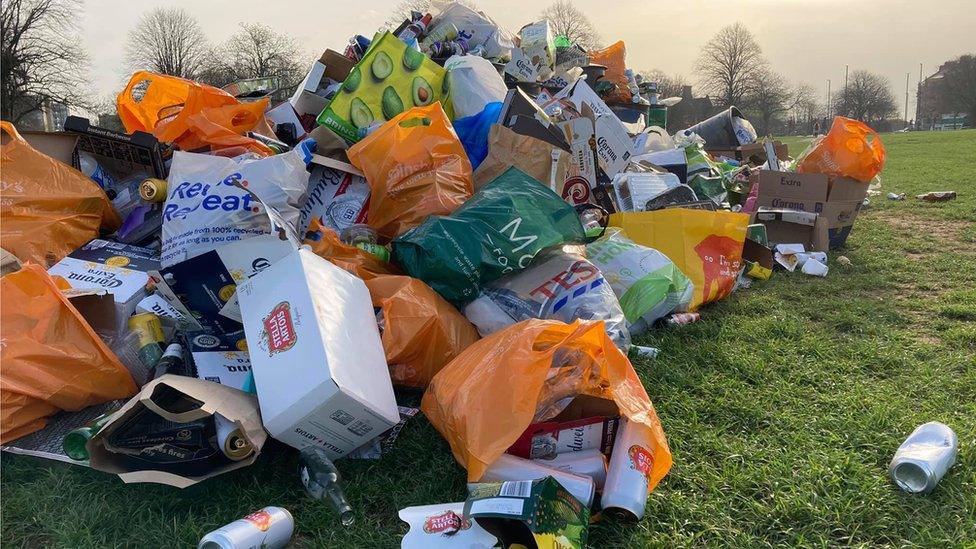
(488, 217)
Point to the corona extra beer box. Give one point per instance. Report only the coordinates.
(316, 355)
(835, 200)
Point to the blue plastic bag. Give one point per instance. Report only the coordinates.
(473, 132)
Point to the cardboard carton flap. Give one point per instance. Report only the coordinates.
(810, 187)
(845, 189)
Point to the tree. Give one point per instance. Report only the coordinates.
(867, 97)
(959, 85)
(256, 51)
(768, 95)
(167, 41)
(667, 85)
(729, 62)
(806, 108)
(568, 20)
(41, 61)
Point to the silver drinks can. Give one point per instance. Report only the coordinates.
(269, 528)
(924, 457)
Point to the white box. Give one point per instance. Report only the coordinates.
(316, 354)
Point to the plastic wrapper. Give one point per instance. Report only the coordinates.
(421, 332)
(415, 167)
(850, 149)
(498, 231)
(648, 284)
(52, 359)
(48, 209)
(558, 286)
(485, 398)
(454, 18)
(205, 209)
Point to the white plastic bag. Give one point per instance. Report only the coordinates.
(474, 83)
(494, 41)
(647, 283)
(205, 210)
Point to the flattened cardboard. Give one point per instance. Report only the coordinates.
(338, 195)
(61, 146)
(238, 407)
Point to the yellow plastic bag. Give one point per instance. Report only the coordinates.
(421, 331)
(52, 359)
(614, 58)
(325, 243)
(850, 149)
(415, 167)
(189, 114)
(48, 209)
(706, 246)
(485, 398)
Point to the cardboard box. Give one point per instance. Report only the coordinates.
(179, 399)
(61, 146)
(318, 361)
(588, 423)
(221, 358)
(753, 153)
(207, 284)
(533, 513)
(121, 269)
(835, 200)
(338, 195)
(784, 226)
(332, 65)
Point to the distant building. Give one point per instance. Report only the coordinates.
(933, 109)
(690, 111)
(49, 117)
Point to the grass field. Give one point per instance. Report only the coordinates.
(782, 407)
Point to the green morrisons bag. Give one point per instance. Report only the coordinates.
(498, 231)
(390, 79)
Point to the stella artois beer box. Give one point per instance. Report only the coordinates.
(316, 354)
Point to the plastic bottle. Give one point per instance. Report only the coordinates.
(365, 238)
(92, 169)
(321, 479)
(924, 457)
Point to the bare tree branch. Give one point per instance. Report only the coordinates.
(729, 62)
(167, 41)
(41, 59)
(572, 22)
(256, 51)
(867, 97)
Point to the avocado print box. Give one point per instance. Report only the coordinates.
(389, 79)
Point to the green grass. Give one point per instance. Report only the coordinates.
(782, 407)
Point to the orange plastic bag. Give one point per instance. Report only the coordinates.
(325, 243)
(422, 332)
(48, 209)
(486, 397)
(52, 359)
(614, 58)
(850, 149)
(416, 167)
(189, 114)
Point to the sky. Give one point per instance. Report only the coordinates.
(809, 41)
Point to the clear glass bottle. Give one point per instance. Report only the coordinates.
(321, 480)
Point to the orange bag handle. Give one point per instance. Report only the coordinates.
(11, 131)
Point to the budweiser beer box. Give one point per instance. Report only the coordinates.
(316, 355)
